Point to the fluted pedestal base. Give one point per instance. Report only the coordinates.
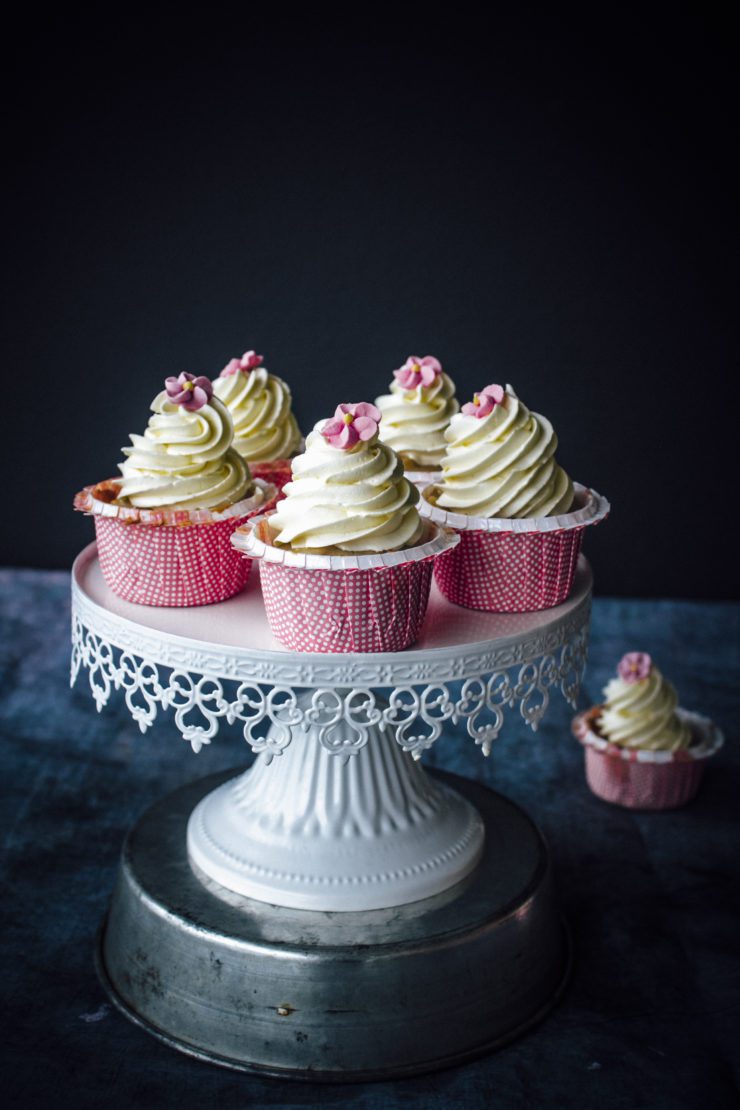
(313, 830)
(334, 996)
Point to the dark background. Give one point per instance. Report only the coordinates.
(540, 201)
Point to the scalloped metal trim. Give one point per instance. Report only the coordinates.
(211, 683)
(312, 670)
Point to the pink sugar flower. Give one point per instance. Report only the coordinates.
(418, 371)
(634, 666)
(485, 402)
(350, 424)
(248, 361)
(190, 392)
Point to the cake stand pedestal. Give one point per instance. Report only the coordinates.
(334, 912)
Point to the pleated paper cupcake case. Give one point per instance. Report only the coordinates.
(170, 558)
(510, 573)
(170, 565)
(650, 780)
(360, 603)
(346, 610)
(514, 566)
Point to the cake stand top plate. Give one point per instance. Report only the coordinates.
(233, 639)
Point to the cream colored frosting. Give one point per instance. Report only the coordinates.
(643, 715)
(349, 501)
(184, 460)
(415, 420)
(260, 405)
(503, 464)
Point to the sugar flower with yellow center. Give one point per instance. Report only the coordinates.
(418, 371)
(484, 402)
(351, 424)
(190, 392)
(634, 666)
(249, 361)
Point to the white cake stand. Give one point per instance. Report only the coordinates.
(334, 911)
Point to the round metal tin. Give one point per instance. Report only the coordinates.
(334, 996)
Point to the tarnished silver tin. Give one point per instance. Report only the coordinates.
(334, 996)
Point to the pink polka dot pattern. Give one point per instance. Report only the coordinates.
(378, 609)
(170, 565)
(625, 782)
(509, 572)
(278, 473)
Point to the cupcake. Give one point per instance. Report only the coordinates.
(416, 414)
(642, 751)
(163, 528)
(519, 515)
(346, 558)
(265, 430)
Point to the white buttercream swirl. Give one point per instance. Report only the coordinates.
(415, 420)
(503, 464)
(352, 501)
(265, 428)
(184, 460)
(643, 715)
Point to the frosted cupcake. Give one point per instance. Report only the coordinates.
(346, 558)
(348, 494)
(641, 750)
(519, 515)
(266, 433)
(416, 415)
(163, 528)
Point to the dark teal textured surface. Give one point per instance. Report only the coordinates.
(652, 1016)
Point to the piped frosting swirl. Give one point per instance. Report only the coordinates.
(500, 461)
(640, 712)
(348, 494)
(184, 459)
(417, 412)
(265, 428)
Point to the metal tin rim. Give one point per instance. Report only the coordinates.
(439, 1063)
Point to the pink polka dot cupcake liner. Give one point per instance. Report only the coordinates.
(651, 780)
(277, 473)
(513, 566)
(170, 557)
(328, 603)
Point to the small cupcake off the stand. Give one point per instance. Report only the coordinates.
(346, 560)
(266, 433)
(519, 516)
(163, 528)
(416, 414)
(643, 751)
